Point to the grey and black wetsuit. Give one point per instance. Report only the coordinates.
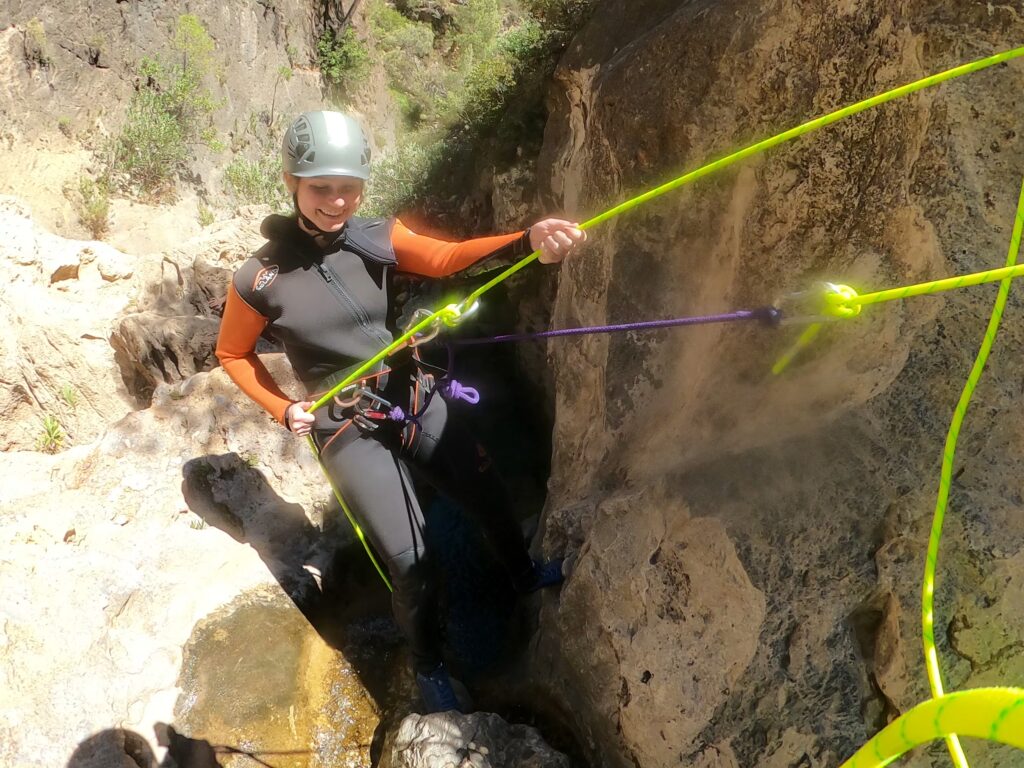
(332, 308)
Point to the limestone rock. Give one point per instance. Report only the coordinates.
(656, 625)
(152, 349)
(478, 740)
(177, 510)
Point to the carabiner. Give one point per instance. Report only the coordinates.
(356, 395)
(419, 316)
(822, 303)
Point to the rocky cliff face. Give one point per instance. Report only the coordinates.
(751, 547)
(748, 548)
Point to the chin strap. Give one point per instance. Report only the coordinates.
(307, 222)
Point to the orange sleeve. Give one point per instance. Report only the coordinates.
(424, 255)
(240, 328)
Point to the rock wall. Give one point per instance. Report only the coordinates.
(751, 547)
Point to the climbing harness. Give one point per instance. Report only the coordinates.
(996, 713)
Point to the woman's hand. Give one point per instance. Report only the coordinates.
(556, 239)
(296, 418)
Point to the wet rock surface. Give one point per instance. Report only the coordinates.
(258, 677)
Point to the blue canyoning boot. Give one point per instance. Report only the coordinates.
(542, 575)
(436, 690)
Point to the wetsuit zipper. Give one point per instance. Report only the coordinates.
(361, 318)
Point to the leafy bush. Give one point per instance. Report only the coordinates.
(344, 58)
(398, 177)
(92, 204)
(169, 113)
(488, 85)
(37, 50)
(477, 27)
(560, 15)
(257, 182)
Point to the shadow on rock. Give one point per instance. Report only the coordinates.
(118, 748)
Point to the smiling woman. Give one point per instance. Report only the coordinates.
(330, 201)
(323, 286)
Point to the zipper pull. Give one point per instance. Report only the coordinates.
(323, 272)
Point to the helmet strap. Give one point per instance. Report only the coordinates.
(307, 222)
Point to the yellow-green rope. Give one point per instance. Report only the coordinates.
(451, 313)
(810, 333)
(928, 589)
(996, 714)
(348, 513)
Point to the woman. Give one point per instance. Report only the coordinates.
(322, 284)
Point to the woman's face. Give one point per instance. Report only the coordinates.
(329, 201)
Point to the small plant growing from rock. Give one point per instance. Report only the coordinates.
(51, 439)
(285, 74)
(69, 395)
(37, 52)
(64, 125)
(91, 202)
(206, 217)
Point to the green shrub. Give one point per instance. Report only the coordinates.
(168, 115)
(489, 83)
(91, 202)
(398, 177)
(205, 216)
(344, 59)
(412, 66)
(37, 49)
(477, 26)
(257, 182)
(560, 15)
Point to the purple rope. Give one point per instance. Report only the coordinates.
(767, 315)
(453, 390)
(449, 390)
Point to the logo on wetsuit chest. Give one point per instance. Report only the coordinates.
(265, 277)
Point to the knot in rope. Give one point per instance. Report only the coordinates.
(453, 390)
(454, 314)
(840, 300)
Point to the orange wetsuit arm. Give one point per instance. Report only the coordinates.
(240, 328)
(422, 255)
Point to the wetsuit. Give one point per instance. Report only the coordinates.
(331, 307)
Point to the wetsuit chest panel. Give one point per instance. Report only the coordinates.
(329, 311)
